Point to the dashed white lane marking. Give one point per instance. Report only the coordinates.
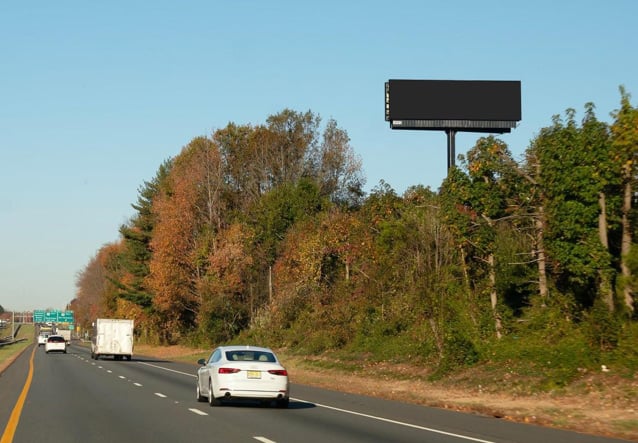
(264, 439)
(197, 411)
(122, 377)
(159, 394)
(387, 420)
(137, 384)
(109, 371)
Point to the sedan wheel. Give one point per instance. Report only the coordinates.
(211, 398)
(200, 397)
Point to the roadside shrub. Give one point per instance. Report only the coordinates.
(602, 327)
(554, 364)
(458, 352)
(625, 356)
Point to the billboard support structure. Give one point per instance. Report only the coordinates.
(453, 106)
(451, 155)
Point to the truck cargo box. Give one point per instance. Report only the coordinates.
(112, 337)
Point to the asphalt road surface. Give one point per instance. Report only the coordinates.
(72, 398)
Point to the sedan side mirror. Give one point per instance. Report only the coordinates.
(201, 361)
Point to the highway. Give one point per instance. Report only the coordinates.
(71, 398)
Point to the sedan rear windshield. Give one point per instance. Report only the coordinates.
(55, 339)
(250, 356)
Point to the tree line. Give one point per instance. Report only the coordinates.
(263, 233)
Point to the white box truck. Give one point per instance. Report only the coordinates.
(66, 333)
(112, 337)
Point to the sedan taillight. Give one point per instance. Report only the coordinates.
(228, 370)
(282, 372)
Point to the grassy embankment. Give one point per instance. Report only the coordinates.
(9, 352)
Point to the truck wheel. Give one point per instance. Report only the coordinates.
(282, 403)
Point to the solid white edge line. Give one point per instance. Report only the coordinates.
(387, 420)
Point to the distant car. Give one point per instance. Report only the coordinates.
(55, 343)
(42, 339)
(242, 372)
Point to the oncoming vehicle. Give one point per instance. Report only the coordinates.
(242, 372)
(55, 343)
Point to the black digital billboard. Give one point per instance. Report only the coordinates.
(463, 105)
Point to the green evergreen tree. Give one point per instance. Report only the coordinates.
(136, 236)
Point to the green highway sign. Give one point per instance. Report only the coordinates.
(65, 317)
(55, 316)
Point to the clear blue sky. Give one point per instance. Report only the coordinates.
(94, 96)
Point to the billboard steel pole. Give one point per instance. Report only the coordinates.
(451, 149)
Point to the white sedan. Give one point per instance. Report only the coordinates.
(55, 343)
(242, 372)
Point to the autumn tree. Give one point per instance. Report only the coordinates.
(188, 216)
(624, 145)
(577, 205)
(227, 302)
(244, 152)
(337, 167)
(96, 286)
(294, 135)
(280, 209)
(481, 201)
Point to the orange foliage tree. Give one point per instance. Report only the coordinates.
(188, 215)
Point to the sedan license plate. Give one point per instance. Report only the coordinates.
(254, 374)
